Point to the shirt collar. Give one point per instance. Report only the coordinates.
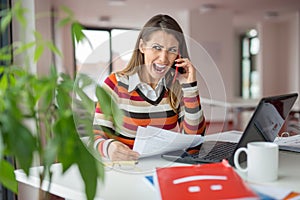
(134, 81)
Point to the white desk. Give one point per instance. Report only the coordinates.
(132, 184)
(118, 184)
(233, 108)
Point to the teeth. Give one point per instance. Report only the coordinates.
(160, 68)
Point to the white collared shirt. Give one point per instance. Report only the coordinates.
(146, 89)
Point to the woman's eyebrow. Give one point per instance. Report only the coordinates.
(155, 43)
(176, 47)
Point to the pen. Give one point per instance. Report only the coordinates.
(122, 163)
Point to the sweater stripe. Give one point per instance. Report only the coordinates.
(150, 115)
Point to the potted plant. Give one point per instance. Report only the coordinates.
(37, 116)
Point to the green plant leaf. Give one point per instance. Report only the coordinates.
(104, 100)
(5, 53)
(65, 21)
(19, 12)
(3, 83)
(77, 31)
(3, 12)
(44, 91)
(65, 132)
(38, 52)
(17, 136)
(5, 57)
(38, 36)
(62, 99)
(87, 103)
(117, 115)
(89, 170)
(5, 21)
(7, 176)
(50, 152)
(109, 107)
(21, 48)
(67, 10)
(68, 19)
(83, 81)
(1, 146)
(54, 49)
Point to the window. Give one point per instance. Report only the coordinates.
(104, 51)
(249, 74)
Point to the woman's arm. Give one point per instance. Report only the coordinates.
(191, 117)
(106, 136)
(103, 128)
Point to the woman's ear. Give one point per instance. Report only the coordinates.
(141, 45)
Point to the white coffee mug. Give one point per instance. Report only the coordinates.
(262, 161)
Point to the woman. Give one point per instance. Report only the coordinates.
(150, 91)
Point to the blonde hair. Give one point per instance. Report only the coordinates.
(159, 23)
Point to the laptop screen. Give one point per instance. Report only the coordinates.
(268, 118)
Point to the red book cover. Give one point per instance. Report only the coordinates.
(205, 181)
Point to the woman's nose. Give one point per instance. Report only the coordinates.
(164, 56)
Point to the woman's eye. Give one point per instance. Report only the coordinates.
(173, 50)
(156, 47)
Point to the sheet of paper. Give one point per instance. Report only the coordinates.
(151, 141)
(291, 143)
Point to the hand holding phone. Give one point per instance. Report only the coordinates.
(179, 70)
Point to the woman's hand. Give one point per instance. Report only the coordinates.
(118, 151)
(190, 72)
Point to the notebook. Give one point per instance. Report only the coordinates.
(264, 125)
(207, 181)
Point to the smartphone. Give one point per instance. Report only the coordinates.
(180, 70)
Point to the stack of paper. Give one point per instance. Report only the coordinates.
(291, 143)
(151, 141)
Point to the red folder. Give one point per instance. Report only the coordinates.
(206, 181)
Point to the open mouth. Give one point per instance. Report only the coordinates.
(159, 68)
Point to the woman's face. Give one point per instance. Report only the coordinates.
(160, 52)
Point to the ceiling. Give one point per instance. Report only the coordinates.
(134, 13)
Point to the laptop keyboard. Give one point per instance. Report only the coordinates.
(216, 151)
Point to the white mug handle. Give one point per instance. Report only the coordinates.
(236, 159)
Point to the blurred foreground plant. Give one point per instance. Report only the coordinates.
(37, 116)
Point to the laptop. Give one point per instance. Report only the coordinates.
(264, 125)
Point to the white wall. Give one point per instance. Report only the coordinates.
(292, 57)
(25, 35)
(43, 26)
(214, 31)
(279, 61)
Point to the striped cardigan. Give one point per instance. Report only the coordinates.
(141, 111)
